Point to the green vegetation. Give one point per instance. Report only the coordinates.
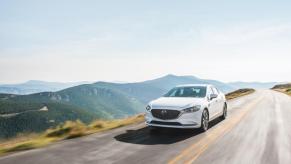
(285, 88)
(67, 130)
(31, 119)
(21, 114)
(282, 86)
(239, 93)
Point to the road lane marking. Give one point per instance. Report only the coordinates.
(190, 154)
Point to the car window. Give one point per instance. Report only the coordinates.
(210, 91)
(214, 90)
(196, 91)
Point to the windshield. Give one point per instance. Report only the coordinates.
(195, 91)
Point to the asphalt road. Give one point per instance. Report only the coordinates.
(257, 130)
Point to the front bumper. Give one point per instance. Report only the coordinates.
(184, 121)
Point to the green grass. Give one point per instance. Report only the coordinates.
(287, 91)
(239, 93)
(27, 145)
(67, 130)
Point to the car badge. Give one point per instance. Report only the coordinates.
(163, 112)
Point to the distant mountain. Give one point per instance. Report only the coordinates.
(255, 85)
(35, 86)
(103, 100)
(166, 82)
(169, 81)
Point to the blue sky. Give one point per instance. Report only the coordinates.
(142, 39)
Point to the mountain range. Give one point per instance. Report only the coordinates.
(36, 86)
(86, 102)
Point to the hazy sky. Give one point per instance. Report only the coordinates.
(136, 40)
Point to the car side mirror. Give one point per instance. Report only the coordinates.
(213, 96)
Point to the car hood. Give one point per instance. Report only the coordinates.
(176, 103)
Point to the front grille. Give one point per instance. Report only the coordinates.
(165, 114)
(166, 123)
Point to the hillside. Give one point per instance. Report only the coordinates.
(285, 88)
(25, 117)
(282, 86)
(239, 93)
(101, 100)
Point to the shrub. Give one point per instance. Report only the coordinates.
(70, 129)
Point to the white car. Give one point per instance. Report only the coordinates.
(187, 106)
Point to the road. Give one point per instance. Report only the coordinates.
(257, 130)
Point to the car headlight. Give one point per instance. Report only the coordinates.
(148, 108)
(192, 109)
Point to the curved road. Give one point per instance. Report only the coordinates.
(257, 130)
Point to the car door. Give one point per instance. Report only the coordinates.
(215, 102)
(212, 106)
(219, 101)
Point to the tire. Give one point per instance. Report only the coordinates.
(224, 113)
(204, 121)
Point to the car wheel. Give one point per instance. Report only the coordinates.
(224, 113)
(204, 121)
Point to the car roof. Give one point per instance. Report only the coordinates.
(194, 85)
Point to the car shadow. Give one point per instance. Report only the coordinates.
(145, 136)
